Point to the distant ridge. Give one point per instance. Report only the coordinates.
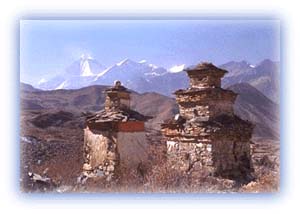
(146, 77)
(254, 106)
(250, 105)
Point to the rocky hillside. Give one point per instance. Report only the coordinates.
(250, 105)
(254, 106)
(52, 125)
(263, 76)
(92, 98)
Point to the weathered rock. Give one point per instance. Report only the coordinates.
(87, 167)
(37, 177)
(41, 183)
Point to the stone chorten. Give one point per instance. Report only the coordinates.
(206, 136)
(114, 136)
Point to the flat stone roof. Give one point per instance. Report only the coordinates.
(205, 67)
(121, 115)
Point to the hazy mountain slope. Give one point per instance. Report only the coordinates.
(264, 76)
(145, 77)
(77, 75)
(158, 106)
(92, 98)
(85, 99)
(165, 84)
(252, 105)
(27, 87)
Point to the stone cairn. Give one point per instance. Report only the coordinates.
(114, 136)
(206, 136)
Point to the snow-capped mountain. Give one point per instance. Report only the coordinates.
(79, 74)
(264, 76)
(146, 77)
(128, 72)
(177, 68)
(50, 84)
(87, 71)
(143, 77)
(238, 68)
(85, 66)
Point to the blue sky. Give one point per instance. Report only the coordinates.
(47, 47)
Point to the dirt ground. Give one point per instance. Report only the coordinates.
(52, 159)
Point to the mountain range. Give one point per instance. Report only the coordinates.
(264, 76)
(77, 75)
(146, 77)
(250, 105)
(254, 106)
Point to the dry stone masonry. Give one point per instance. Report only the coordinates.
(206, 136)
(115, 136)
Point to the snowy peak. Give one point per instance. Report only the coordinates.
(142, 61)
(62, 85)
(86, 66)
(126, 62)
(133, 64)
(177, 68)
(85, 69)
(51, 83)
(128, 72)
(42, 81)
(86, 63)
(143, 76)
(102, 73)
(238, 65)
(85, 57)
(77, 75)
(141, 66)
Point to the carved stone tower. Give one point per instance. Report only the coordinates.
(115, 136)
(207, 137)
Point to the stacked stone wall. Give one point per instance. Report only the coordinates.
(207, 136)
(206, 111)
(190, 157)
(100, 152)
(205, 82)
(231, 158)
